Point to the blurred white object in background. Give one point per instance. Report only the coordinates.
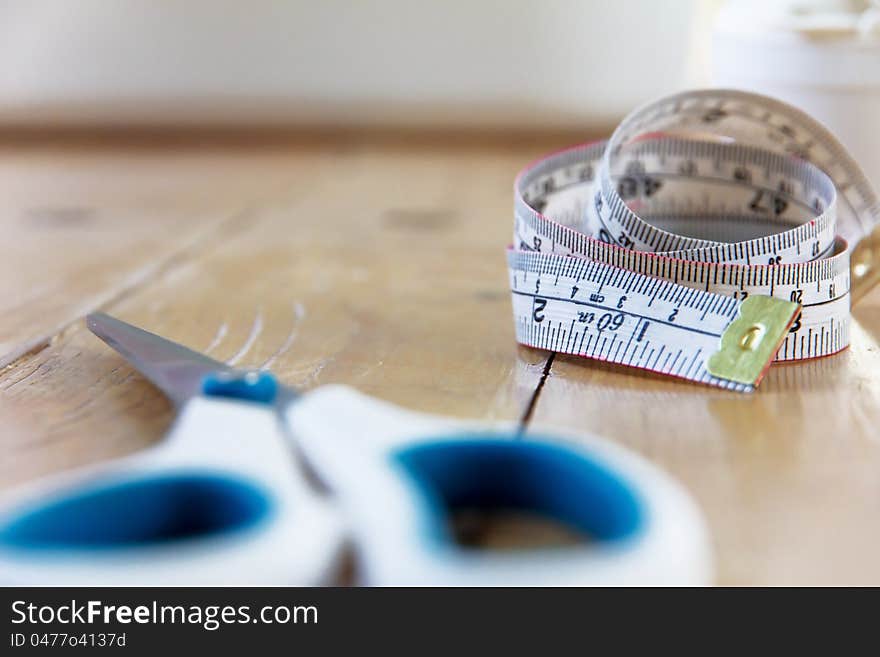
(822, 56)
(522, 63)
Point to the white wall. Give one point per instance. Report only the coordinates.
(550, 62)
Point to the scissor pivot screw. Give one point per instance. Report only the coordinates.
(253, 385)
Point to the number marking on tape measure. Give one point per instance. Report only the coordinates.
(700, 241)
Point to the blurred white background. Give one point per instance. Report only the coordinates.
(514, 63)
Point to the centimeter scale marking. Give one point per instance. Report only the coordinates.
(643, 250)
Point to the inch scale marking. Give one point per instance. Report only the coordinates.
(643, 250)
(614, 317)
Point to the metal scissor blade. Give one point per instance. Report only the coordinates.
(175, 369)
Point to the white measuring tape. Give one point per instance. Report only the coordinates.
(660, 249)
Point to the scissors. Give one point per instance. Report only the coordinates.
(259, 484)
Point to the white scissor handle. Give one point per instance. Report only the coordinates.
(220, 501)
(399, 474)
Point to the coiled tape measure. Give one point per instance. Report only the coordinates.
(714, 231)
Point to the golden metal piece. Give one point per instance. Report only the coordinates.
(748, 345)
(864, 265)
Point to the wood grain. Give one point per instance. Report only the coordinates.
(380, 264)
(381, 268)
(786, 477)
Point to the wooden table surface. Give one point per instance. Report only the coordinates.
(379, 262)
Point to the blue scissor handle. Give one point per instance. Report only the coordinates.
(149, 509)
(223, 502)
(139, 511)
(504, 472)
(400, 477)
(220, 501)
